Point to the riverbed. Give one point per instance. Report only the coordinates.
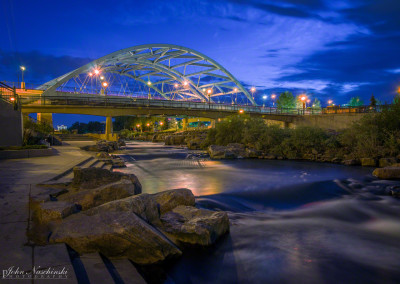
(291, 221)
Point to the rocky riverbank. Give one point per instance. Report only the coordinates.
(103, 211)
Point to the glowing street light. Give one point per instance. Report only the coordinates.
(253, 89)
(265, 97)
(22, 71)
(330, 102)
(185, 83)
(303, 99)
(90, 74)
(12, 99)
(161, 123)
(138, 125)
(209, 92)
(241, 111)
(148, 124)
(105, 84)
(176, 85)
(235, 89)
(273, 96)
(96, 71)
(101, 77)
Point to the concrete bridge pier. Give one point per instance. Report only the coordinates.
(109, 129)
(185, 123)
(212, 123)
(45, 118)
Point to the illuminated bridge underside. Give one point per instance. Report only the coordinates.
(119, 106)
(157, 71)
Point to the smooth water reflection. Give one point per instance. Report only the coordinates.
(291, 222)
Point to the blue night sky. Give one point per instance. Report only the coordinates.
(329, 49)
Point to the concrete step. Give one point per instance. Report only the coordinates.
(56, 258)
(99, 165)
(70, 175)
(107, 167)
(127, 271)
(96, 270)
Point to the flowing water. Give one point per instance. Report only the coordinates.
(291, 221)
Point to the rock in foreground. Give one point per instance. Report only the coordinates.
(193, 226)
(115, 234)
(89, 178)
(90, 198)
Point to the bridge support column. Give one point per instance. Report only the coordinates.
(45, 118)
(109, 128)
(212, 123)
(185, 123)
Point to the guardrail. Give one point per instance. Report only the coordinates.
(132, 102)
(8, 95)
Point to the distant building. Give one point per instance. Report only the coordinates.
(62, 127)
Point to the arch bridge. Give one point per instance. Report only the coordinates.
(154, 71)
(154, 79)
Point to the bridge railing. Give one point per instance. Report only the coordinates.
(120, 101)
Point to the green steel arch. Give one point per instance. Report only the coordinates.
(169, 69)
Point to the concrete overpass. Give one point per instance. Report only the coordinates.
(112, 106)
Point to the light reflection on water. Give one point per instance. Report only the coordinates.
(290, 221)
(160, 168)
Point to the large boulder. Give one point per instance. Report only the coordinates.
(351, 162)
(220, 152)
(142, 205)
(89, 198)
(169, 199)
(149, 206)
(195, 144)
(252, 153)
(115, 234)
(187, 225)
(102, 155)
(368, 162)
(238, 149)
(386, 162)
(94, 177)
(46, 212)
(387, 173)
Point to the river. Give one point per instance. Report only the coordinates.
(291, 221)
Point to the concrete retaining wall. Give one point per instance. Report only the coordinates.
(10, 125)
(328, 121)
(27, 153)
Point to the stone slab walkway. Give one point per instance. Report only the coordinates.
(18, 177)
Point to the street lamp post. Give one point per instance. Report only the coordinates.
(22, 71)
(253, 90)
(209, 92)
(303, 99)
(264, 98)
(273, 96)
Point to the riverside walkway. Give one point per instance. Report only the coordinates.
(18, 179)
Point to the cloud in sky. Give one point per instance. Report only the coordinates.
(329, 48)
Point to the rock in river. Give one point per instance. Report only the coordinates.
(94, 197)
(94, 177)
(193, 226)
(387, 173)
(115, 234)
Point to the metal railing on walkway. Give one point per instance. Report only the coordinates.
(132, 102)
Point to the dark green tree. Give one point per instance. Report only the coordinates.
(286, 100)
(316, 103)
(372, 101)
(355, 102)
